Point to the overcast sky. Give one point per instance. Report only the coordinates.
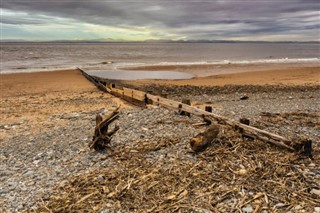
(267, 20)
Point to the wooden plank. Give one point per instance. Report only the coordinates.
(136, 96)
(257, 133)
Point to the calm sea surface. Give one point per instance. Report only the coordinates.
(29, 57)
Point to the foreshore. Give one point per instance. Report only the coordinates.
(245, 74)
(48, 119)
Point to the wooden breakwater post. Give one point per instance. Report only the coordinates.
(140, 98)
(181, 111)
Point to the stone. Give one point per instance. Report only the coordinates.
(100, 177)
(12, 184)
(315, 191)
(244, 97)
(247, 209)
(317, 209)
(279, 205)
(312, 165)
(298, 207)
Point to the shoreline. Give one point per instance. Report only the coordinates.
(239, 75)
(205, 75)
(222, 65)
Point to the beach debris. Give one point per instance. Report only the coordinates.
(204, 139)
(101, 136)
(107, 62)
(208, 108)
(244, 97)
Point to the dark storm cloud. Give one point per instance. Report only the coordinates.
(184, 18)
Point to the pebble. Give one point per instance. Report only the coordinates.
(279, 205)
(28, 174)
(247, 209)
(312, 165)
(315, 191)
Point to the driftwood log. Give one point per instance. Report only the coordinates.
(303, 147)
(101, 136)
(204, 139)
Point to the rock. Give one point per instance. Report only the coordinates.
(232, 202)
(36, 162)
(75, 149)
(312, 174)
(247, 209)
(100, 177)
(242, 172)
(279, 205)
(315, 191)
(6, 127)
(244, 97)
(317, 209)
(312, 165)
(3, 191)
(12, 184)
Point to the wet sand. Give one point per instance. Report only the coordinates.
(271, 75)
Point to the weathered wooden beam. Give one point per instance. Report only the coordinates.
(143, 97)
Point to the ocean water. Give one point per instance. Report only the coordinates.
(29, 57)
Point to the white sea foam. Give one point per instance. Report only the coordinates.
(47, 57)
(119, 66)
(259, 61)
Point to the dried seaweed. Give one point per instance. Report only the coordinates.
(229, 175)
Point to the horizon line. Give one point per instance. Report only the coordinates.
(148, 41)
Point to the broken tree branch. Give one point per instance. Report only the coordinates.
(101, 136)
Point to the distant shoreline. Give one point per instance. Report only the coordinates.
(157, 41)
(208, 67)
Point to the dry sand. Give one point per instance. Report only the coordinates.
(37, 96)
(43, 82)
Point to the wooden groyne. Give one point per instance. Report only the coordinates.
(142, 98)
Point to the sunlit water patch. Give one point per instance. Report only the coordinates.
(138, 75)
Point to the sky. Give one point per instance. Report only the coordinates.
(139, 20)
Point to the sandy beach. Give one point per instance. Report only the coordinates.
(160, 106)
(48, 118)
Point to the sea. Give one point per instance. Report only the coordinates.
(33, 57)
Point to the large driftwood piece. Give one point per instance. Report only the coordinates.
(204, 139)
(101, 136)
(304, 146)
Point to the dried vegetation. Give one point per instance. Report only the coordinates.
(232, 175)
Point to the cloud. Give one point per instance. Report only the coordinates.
(193, 19)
